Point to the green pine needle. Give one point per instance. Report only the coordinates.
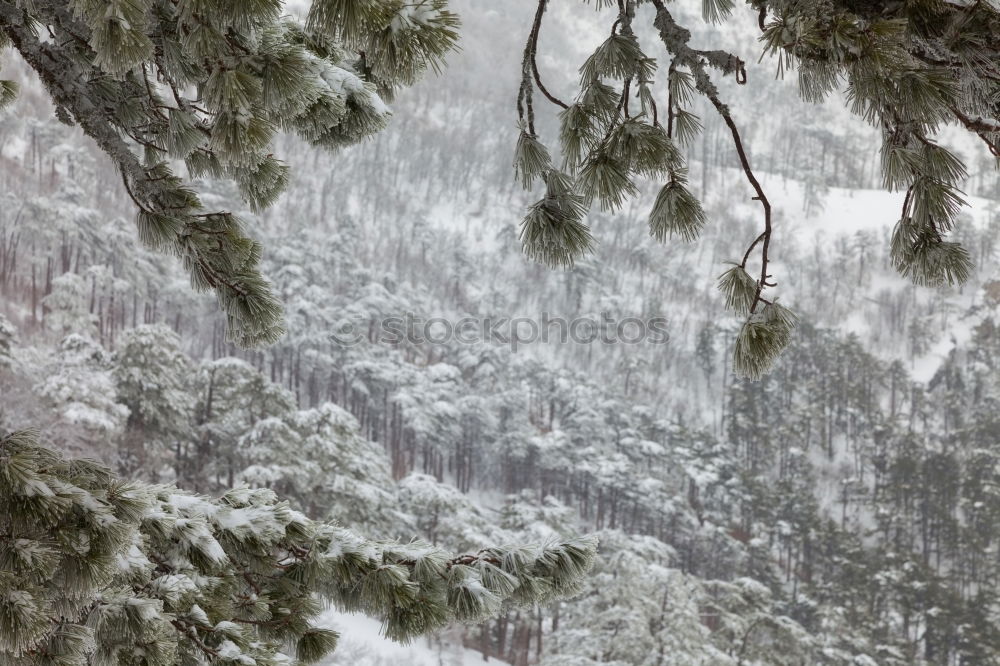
(920, 254)
(645, 148)
(605, 177)
(716, 11)
(761, 340)
(739, 289)
(619, 57)
(676, 211)
(600, 99)
(553, 232)
(687, 127)
(8, 92)
(578, 133)
(315, 644)
(531, 159)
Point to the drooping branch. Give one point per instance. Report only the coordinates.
(765, 236)
(675, 38)
(529, 73)
(746, 256)
(670, 99)
(532, 53)
(626, 10)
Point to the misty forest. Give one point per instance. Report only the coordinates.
(530, 332)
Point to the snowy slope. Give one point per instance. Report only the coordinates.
(362, 644)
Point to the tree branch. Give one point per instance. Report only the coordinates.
(982, 128)
(532, 47)
(675, 38)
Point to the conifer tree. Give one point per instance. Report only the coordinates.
(98, 570)
(152, 379)
(317, 458)
(7, 332)
(79, 392)
(65, 307)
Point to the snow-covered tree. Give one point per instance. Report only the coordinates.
(153, 379)
(7, 333)
(318, 459)
(125, 73)
(903, 75)
(230, 397)
(80, 390)
(66, 310)
(442, 513)
(153, 82)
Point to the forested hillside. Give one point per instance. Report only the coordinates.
(844, 510)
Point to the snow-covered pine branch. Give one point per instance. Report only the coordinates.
(94, 569)
(155, 83)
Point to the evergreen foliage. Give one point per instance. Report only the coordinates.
(908, 70)
(553, 231)
(860, 495)
(155, 82)
(864, 501)
(151, 377)
(79, 389)
(95, 569)
(676, 211)
(316, 458)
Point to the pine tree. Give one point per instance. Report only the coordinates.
(65, 308)
(154, 81)
(94, 569)
(7, 333)
(231, 396)
(152, 379)
(79, 390)
(318, 459)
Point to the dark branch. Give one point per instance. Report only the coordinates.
(676, 38)
(532, 47)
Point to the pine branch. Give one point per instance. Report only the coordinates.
(180, 573)
(532, 52)
(185, 630)
(982, 129)
(69, 85)
(675, 38)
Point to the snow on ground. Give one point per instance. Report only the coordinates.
(849, 211)
(362, 644)
(845, 212)
(957, 335)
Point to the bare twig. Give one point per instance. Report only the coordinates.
(532, 52)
